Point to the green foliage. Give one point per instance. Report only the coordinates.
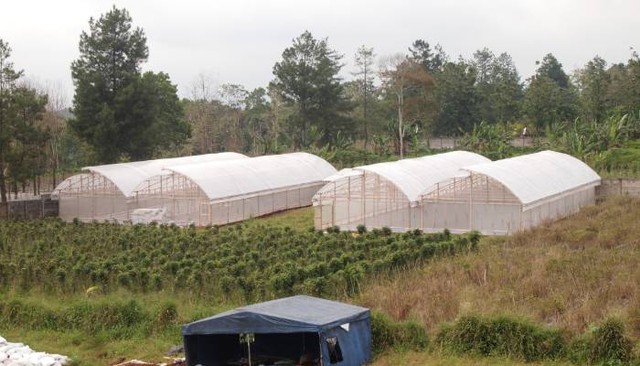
(248, 262)
(116, 320)
(431, 59)
(594, 82)
(490, 140)
(22, 138)
(616, 159)
(502, 336)
(457, 98)
(603, 345)
(498, 86)
(117, 110)
(307, 77)
(599, 142)
(609, 345)
(388, 334)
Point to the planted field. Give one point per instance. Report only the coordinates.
(252, 261)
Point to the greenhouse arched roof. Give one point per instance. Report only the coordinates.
(220, 180)
(414, 176)
(127, 176)
(536, 176)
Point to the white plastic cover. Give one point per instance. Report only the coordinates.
(343, 173)
(127, 176)
(220, 180)
(536, 176)
(413, 176)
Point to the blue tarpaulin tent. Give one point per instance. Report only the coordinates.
(298, 329)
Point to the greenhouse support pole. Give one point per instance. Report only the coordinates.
(471, 202)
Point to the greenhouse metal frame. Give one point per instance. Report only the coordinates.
(219, 193)
(510, 195)
(105, 192)
(385, 194)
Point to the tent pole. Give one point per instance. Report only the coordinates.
(320, 348)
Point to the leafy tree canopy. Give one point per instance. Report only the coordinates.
(117, 110)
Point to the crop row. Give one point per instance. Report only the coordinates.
(256, 261)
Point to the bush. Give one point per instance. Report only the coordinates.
(502, 336)
(387, 334)
(167, 315)
(609, 344)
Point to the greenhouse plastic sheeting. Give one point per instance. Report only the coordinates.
(223, 180)
(127, 176)
(414, 176)
(537, 176)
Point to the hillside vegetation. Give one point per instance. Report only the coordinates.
(572, 275)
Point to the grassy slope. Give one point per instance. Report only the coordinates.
(571, 274)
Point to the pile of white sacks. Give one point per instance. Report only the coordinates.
(19, 354)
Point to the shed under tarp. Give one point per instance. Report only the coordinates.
(285, 332)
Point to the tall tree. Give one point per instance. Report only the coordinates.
(550, 67)
(8, 78)
(258, 126)
(550, 97)
(593, 83)
(307, 77)
(457, 98)
(364, 78)
(27, 152)
(409, 83)
(497, 86)
(431, 59)
(233, 96)
(116, 107)
(624, 89)
(22, 139)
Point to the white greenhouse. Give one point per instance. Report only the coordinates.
(104, 192)
(216, 193)
(385, 194)
(510, 195)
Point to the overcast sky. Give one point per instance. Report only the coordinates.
(238, 41)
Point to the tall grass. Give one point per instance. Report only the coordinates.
(570, 274)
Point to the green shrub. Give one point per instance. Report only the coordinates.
(502, 336)
(609, 344)
(167, 315)
(387, 334)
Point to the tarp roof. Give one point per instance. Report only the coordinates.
(287, 315)
(127, 176)
(414, 176)
(220, 180)
(536, 176)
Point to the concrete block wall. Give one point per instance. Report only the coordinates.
(29, 209)
(618, 186)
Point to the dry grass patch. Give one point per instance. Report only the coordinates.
(572, 274)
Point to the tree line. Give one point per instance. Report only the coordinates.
(389, 104)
